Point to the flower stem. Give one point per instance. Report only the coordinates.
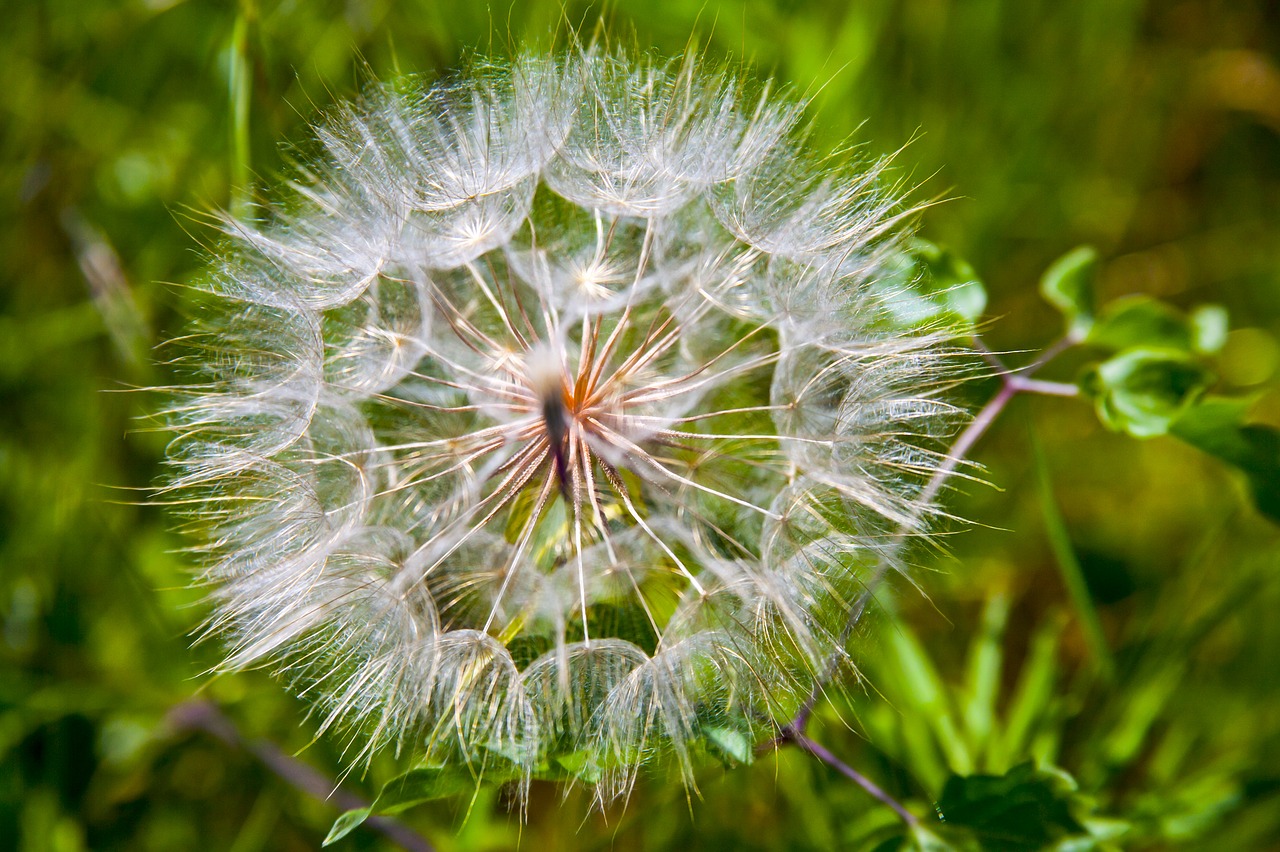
(1025, 385)
(1012, 382)
(821, 752)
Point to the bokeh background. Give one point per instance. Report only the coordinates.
(1150, 130)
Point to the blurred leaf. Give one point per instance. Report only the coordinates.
(1216, 426)
(919, 838)
(1209, 327)
(733, 743)
(1141, 321)
(924, 840)
(1024, 809)
(1069, 569)
(1033, 697)
(928, 284)
(1142, 390)
(985, 663)
(921, 684)
(1069, 284)
(581, 764)
(1135, 321)
(345, 824)
(1145, 699)
(240, 80)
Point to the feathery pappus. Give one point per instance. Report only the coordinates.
(556, 416)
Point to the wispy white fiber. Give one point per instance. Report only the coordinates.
(554, 419)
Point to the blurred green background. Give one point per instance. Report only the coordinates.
(1148, 129)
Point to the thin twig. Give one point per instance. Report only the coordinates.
(818, 750)
(200, 715)
(1012, 382)
(1023, 384)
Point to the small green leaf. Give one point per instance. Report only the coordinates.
(1135, 321)
(1141, 321)
(581, 764)
(346, 824)
(414, 787)
(1209, 327)
(1024, 809)
(928, 284)
(1068, 284)
(950, 279)
(732, 743)
(425, 784)
(1142, 390)
(1216, 426)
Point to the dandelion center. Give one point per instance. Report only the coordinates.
(587, 416)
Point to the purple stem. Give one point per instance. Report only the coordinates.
(821, 752)
(1012, 382)
(199, 715)
(1042, 387)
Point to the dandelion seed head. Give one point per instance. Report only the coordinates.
(555, 419)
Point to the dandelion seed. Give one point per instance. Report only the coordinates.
(556, 417)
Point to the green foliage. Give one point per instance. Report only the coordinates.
(1143, 321)
(1156, 381)
(1070, 285)
(1218, 426)
(415, 787)
(1145, 129)
(735, 745)
(1072, 573)
(1022, 810)
(1143, 390)
(928, 285)
(939, 728)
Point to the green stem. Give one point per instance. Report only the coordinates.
(240, 89)
(1069, 568)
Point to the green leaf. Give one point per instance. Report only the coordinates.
(424, 784)
(1216, 426)
(924, 840)
(1135, 321)
(922, 685)
(346, 824)
(733, 743)
(241, 90)
(1209, 326)
(1069, 285)
(1069, 569)
(1033, 696)
(985, 662)
(1141, 321)
(1024, 809)
(918, 838)
(1142, 390)
(950, 280)
(928, 284)
(581, 764)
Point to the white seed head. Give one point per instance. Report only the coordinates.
(555, 420)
